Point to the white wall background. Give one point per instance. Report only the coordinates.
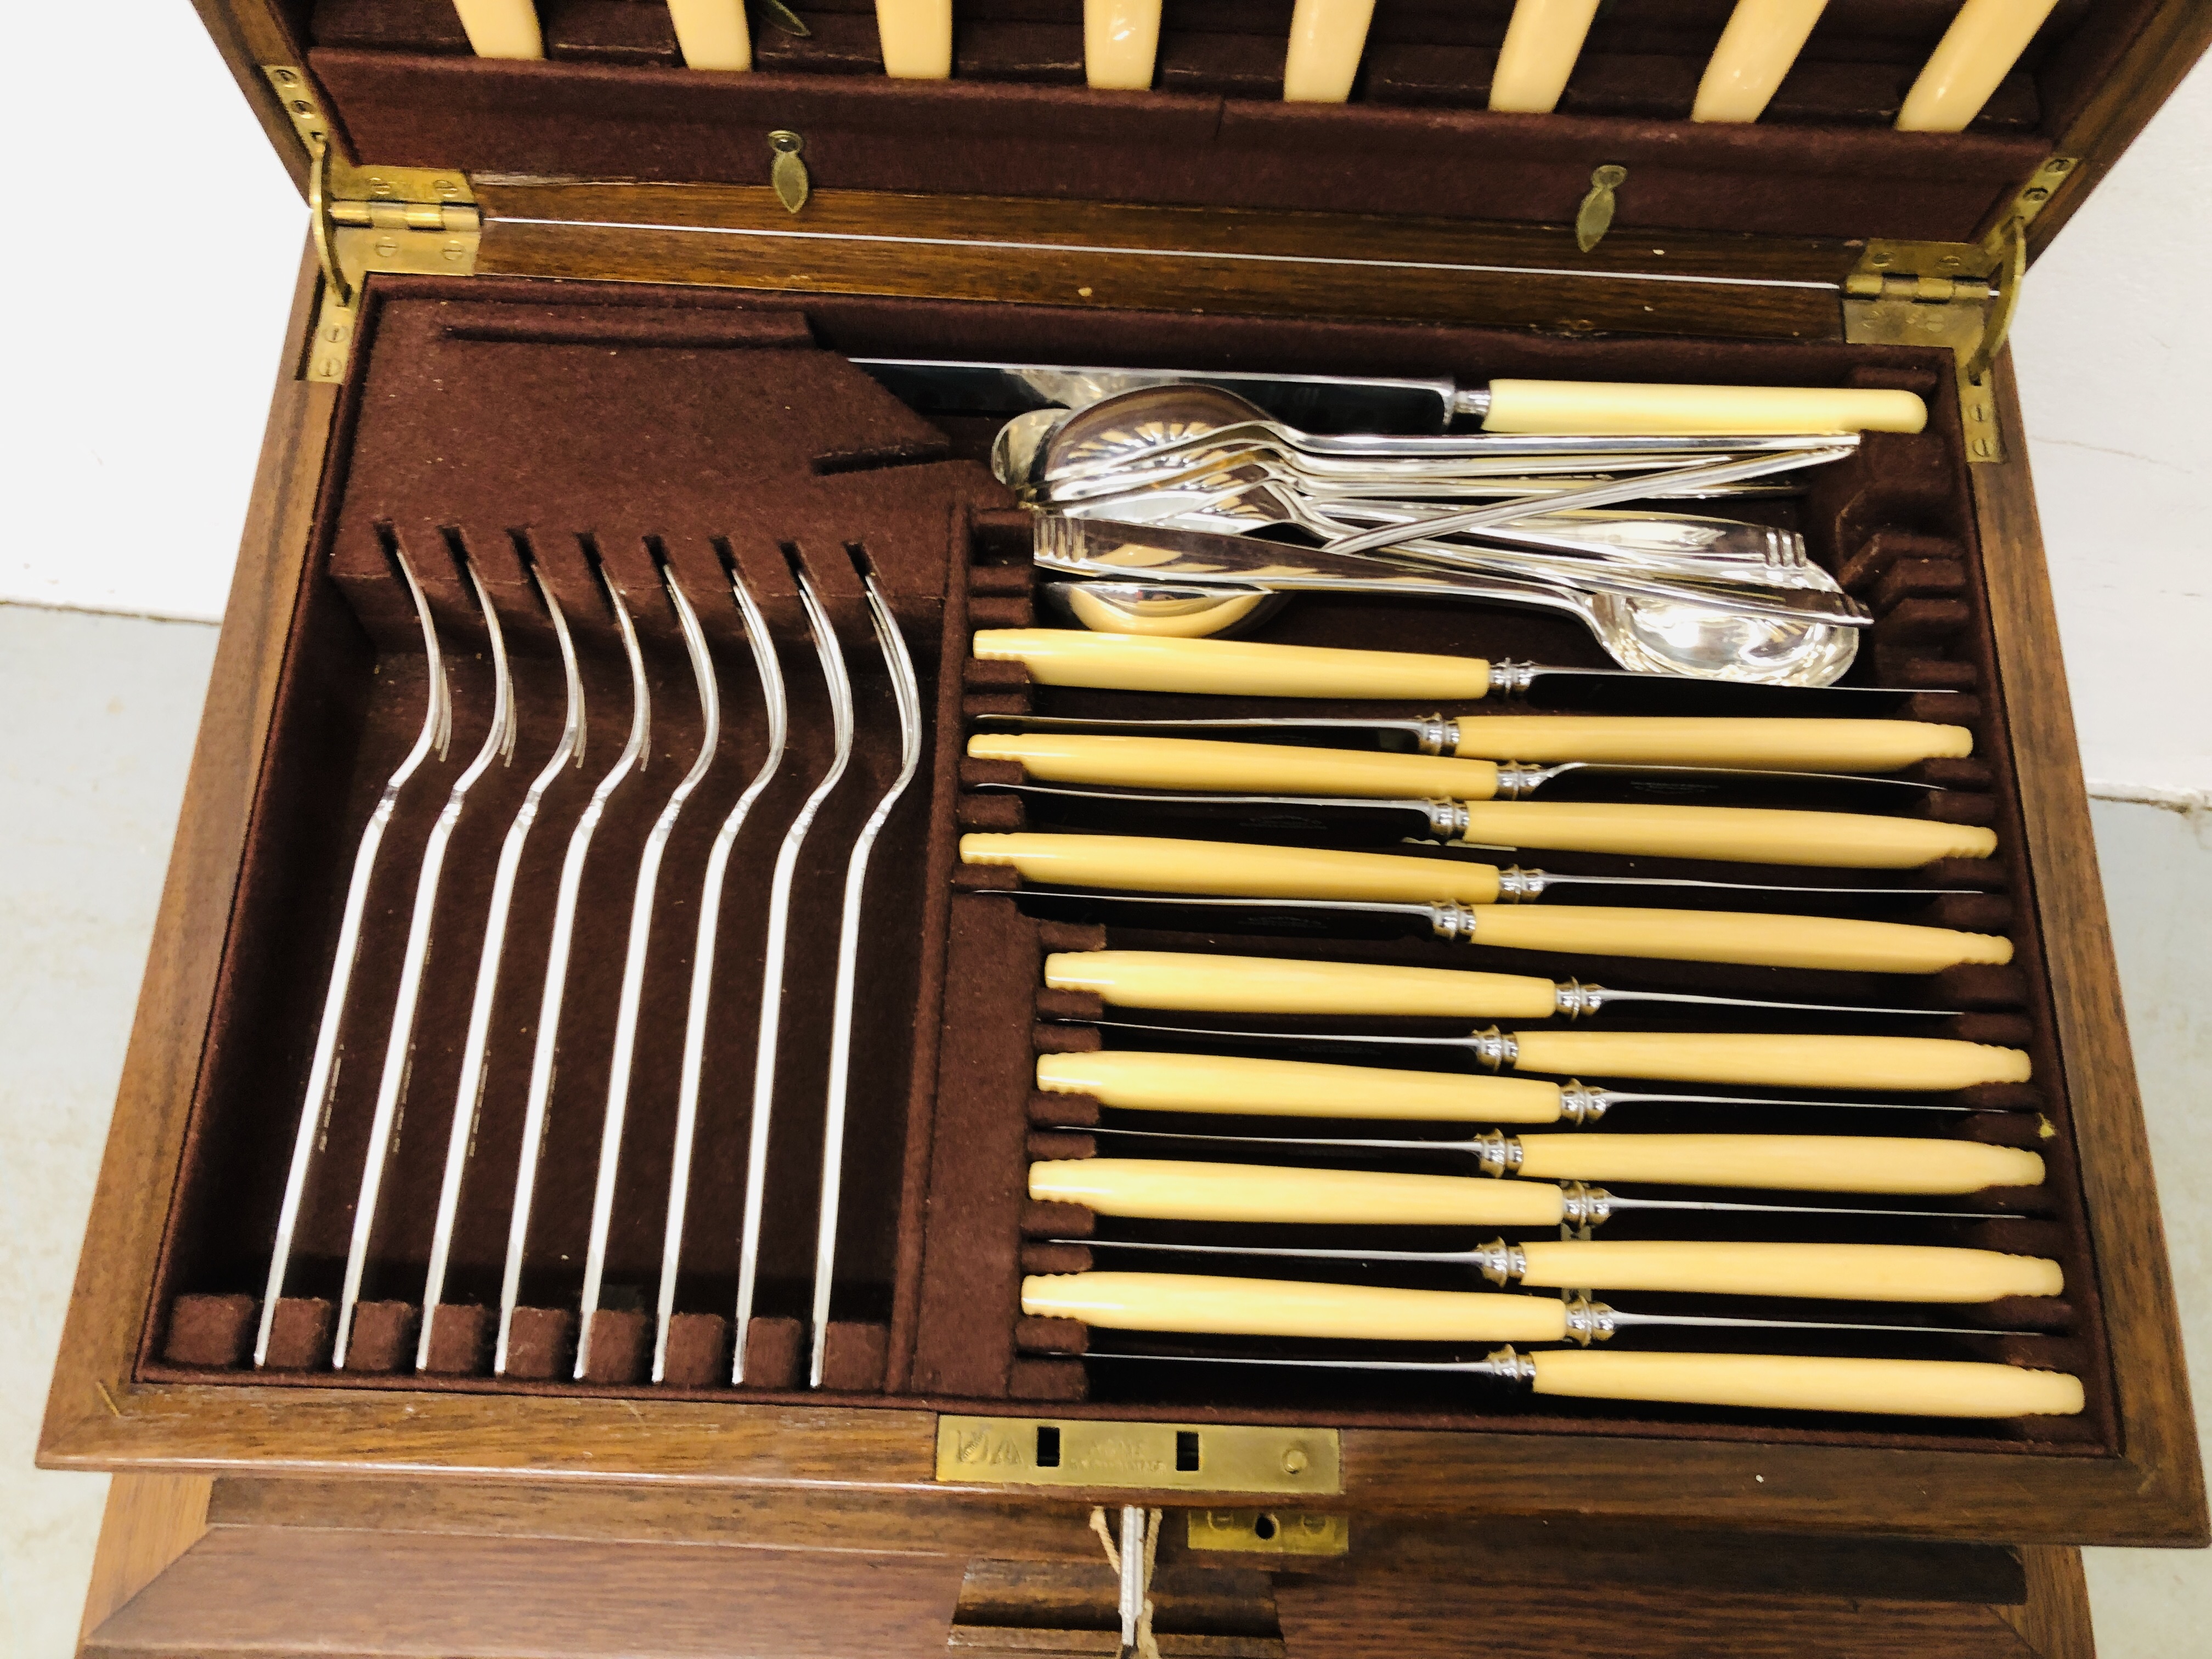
(139, 362)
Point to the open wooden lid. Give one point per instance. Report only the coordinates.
(611, 99)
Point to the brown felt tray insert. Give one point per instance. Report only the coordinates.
(1015, 119)
(690, 415)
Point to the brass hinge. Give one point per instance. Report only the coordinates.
(1957, 294)
(421, 221)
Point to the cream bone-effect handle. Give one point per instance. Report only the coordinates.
(1241, 1085)
(1327, 39)
(916, 38)
(1761, 41)
(1979, 49)
(1821, 745)
(712, 35)
(1121, 44)
(502, 28)
(1617, 408)
(1159, 865)
(1203, 1305)
(1542, 43)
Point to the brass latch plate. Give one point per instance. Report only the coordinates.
(1029, 1451)
(1270, 1532)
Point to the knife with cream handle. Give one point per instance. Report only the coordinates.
(1192, 982)
(712, 35)
(1069, 866)
(1079, 751)
(1904, 1388)
(1542, 43)
(916, 38)
(1146, 864)
(1806, 1164)
(1248, 668)
(502, 28)
(1739, 835)
(1843, 1272)
(1761, 41)
(1979, 49)
(1240, 1085)
(1121, 44)
(1327, 39)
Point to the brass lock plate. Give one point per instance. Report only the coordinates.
(1270, 1532)
(1029, 1451)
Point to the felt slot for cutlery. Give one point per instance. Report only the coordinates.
(496, 414)
(1417, 138)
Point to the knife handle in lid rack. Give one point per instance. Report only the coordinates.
(916, 37)
(1806, 1164)
(1976, 53)
(1795, 745)
(502, 28)
(1540, 46)
(1837, 1273)
(1904, 1388)
(1194, 982)
(1327, 39)
(1169, 1190)
(712, 35)
(1842, 944)
(1243, 668)
(1741, 835)
(1159, 864)
(1204, 1303)
(1761, 41)
(1204, 764)
(1599, 408)
(1895, 1065)
(1121, 44)
(1234, 1084)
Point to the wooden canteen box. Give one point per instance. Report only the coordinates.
(577, 322)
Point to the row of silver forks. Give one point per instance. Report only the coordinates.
(499, 745)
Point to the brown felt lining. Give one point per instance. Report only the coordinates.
(1015, 120)
(510, 412)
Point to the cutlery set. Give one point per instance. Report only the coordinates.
(652, 890)
(1258, 821)
(1328, 38)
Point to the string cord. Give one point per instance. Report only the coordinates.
(1147, 1647)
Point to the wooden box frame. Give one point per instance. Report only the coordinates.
(98, 1417)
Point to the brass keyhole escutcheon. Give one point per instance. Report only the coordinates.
(787, 173)
(1595, 217)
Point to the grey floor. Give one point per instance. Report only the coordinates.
(91, 765)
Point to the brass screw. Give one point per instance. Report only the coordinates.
(2038, 194)
(1294, 1461)
(387, 249)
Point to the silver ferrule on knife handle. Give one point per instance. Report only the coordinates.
(1515, 780)
(1577, 999)
(1517, 885)
(1496, 1153)
(1583, 1207)
(1447, 819)
(1498, 1261)
(1588, 1321)
(1579, 1105)
(1474, 404)
(1509, 678)
(1509, 1366)
(1452, 921)
(1438, 734)
(1494, 1049)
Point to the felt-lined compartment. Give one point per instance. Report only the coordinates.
(610, 101)
(700, 417)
